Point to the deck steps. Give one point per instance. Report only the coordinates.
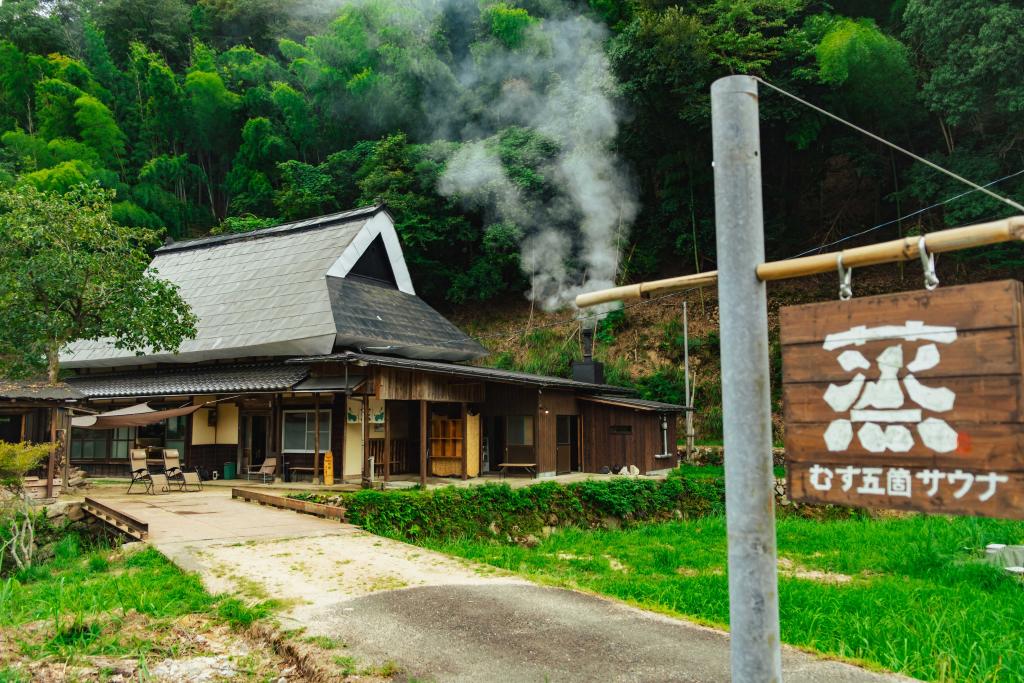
(122, 521)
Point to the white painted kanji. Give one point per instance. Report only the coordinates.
(885, 411)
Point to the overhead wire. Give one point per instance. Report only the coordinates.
(975, 187)
(893, 145)
(902, 218)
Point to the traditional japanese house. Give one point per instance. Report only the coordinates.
(311, 339)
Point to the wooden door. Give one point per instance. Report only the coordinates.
(564, 429)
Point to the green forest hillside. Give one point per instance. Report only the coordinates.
(528, 149)
(524, 147)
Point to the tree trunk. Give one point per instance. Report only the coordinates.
(52, 364)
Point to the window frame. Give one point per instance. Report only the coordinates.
(529, 425)
(310, 429)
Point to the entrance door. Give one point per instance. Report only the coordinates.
(255, 439)
(565, 443)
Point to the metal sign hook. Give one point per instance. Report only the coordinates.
(845, 279)
(931, 280)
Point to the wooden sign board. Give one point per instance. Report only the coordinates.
(909, 401)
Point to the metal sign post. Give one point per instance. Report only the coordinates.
(746, 391)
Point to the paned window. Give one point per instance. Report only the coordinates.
(300, 431)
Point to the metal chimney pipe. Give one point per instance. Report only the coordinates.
(588, 342)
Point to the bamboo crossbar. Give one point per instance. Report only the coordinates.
(906, 249)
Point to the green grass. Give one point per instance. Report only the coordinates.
(95, 602)
(917, 600)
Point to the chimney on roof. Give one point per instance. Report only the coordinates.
(588, 369)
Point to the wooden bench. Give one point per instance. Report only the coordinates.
(529, 467)
(299, 469)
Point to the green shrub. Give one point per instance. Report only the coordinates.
(498, 510)
(666, 384)
(609, 326)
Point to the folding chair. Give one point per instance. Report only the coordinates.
(142, 475)
(266, 471)
(140, 470)
(175, 474)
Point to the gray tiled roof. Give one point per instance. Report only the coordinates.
(38, 390)
(294, 226)
(386, 320)
(467, 371)
(208, 379)
(274, 293)
(260, 296)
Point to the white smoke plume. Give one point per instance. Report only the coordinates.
(560, 85)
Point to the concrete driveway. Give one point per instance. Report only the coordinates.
(439, 618)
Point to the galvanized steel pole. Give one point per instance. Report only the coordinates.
(746, 392)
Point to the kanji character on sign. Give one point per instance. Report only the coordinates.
(880, 405)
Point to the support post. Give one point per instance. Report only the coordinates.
(51, 461)
(686, 385)
(387, 441)
(276, 429)
(316, 439)
(465, 453)
(365, 438)
(340, 449)
(423, 444)
(746, 385)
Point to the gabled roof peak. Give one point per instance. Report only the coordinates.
(283, 229)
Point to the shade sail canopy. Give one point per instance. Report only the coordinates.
(134, 416)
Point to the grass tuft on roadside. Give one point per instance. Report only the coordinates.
(97, 604)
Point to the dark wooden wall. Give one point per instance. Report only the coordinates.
(604, 448)
(210, 457)
(403, 385)
(509, 399)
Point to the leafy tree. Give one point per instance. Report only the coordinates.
(18, 74)
(99, 130)
(435, 236)
(249, 179)
(56, 108)
(214, 128)
(305, 191)
(27, 25)
(68, 271)
(161, 25)
(508, 24)
(872, 69)
(298, 117)
(65, 175)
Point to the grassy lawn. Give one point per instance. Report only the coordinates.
(906, 594)
(91, 607)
